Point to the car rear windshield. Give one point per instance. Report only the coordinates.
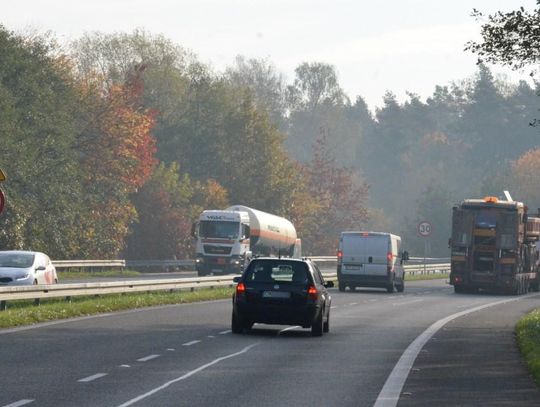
(16, 260)
(277, 271)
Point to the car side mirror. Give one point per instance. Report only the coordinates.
(329, 284)
(40, 268)
(236, 279)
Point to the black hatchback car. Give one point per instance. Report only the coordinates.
(282, 291)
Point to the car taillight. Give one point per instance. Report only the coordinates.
(240, 289)
(389, 257)
(339, 256)
(312, 292)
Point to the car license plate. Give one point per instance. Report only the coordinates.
(276, 294)
(354, 267)
(220, 260)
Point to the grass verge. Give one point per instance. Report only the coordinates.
(71, 275)
(25, 313)
(528, 337)
(418, 277)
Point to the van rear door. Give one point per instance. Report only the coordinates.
(365, 254)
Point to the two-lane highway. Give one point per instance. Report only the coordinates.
(185, 355)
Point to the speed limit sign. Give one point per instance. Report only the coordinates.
(424, 228)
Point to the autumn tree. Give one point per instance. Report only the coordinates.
(166, 206)
(340, 198)
(38, 147)
(117, 151)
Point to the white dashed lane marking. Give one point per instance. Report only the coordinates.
(19, 403)
(147, 358)
(190, 343)
(225, 332)
(92, 378)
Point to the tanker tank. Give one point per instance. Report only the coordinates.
(269, 234)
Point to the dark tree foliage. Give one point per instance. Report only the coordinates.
(511, 38)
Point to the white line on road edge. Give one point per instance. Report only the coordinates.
(225, 332)
(19, 403)
(188, 374)
(190, 343)
(389, 395)
(91, 378)
(147, 358)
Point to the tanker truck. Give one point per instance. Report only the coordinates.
(228, 239)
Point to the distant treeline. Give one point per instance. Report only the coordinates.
(113, 145)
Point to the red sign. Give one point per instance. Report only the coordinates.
(2, 201)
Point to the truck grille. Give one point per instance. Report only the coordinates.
(211, 249)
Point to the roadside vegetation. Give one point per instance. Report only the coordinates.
(21, 313)
(528, 336)
(79, 275)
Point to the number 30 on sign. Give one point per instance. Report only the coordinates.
(424, 228)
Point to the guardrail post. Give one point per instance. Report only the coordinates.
(37, 301)
(3, 305)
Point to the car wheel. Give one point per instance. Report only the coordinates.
(400, 288)
(341, 286)
(317, 327)
(236, 324)
(390, 287)
(35, 282)
(326, 325)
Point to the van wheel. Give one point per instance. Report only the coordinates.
(341, 286)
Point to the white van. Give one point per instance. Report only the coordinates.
(370, 259)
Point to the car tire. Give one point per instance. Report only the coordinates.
(341, 286)
(401, 287)
(237, 326)
(318, 326)
(326, 325)
(390, 288)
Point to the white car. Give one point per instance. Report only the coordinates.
(18, 267)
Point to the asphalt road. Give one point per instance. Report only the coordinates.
(185, 355)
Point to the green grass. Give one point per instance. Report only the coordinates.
(528, 336)
(418, 277)
(71, 275)
(26, 313)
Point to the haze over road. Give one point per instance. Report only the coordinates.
(186, 355)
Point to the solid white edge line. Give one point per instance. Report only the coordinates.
(20, 403)
(185, 376)
(147, 358)
(91, 378)
(389, 395)
(190, 343)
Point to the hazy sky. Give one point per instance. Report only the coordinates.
(397, 45)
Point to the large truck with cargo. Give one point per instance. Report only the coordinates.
(493, 246)
(228, 239)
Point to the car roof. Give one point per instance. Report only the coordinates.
(303, 260)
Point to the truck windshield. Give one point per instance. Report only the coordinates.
(219, 229)
(486, 219)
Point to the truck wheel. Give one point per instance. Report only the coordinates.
(318, 327)
(341, 286)
(459, 289)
